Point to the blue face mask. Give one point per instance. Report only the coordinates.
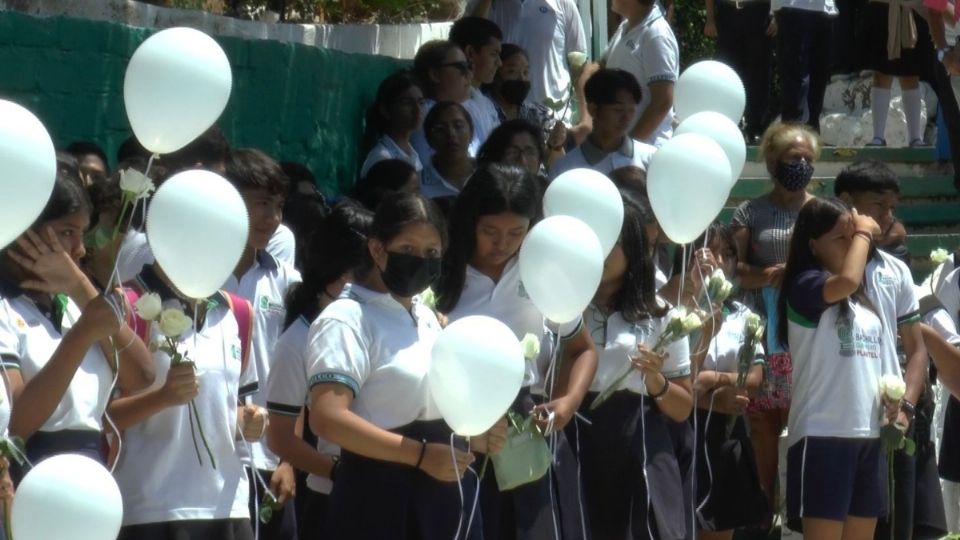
(794, 175)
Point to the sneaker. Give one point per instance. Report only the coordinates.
(916, 143)
(877, 141)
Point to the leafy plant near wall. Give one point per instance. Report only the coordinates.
(688, 20)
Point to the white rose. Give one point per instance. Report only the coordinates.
(690, 322)
(174, 322)
(753, 326)
(530, 345)
(939, 255)
(576, 60)
(892, 387)
(148, 307)
(135, 183)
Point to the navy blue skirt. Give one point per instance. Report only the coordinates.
(374, 499)
(44, 444)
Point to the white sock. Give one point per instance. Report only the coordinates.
(911, 109)
(879, 107)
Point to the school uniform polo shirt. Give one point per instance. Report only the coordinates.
(548, 30)
(29, 336)
(370, 343)
(265, 286)
(386, 148)
(589, 156)
(889, 285)
(837, 363)
(616, 339)
(485, 118)
(723, 354)
(158, 472)
(283, 245)
(948, 292)
(650, 52)
(434, 186)
(508, 302)
(287, 391)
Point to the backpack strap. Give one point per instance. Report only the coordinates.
(139, 326)
(243, 313)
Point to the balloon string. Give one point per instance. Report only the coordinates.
(643, 442)
(463, 502)
(706, 453)
(683, 274)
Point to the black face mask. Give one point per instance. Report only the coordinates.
(794, 175)
(407, 275)
(514, 92)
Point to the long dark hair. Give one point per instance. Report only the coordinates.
(433, 117)
(402, 209)
(816, 218)
(637, 298)
(337, 246)
(382, 180)
(493, 189)
(715, 230)
(387, 94)
(68, 197)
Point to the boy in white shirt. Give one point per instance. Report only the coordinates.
(480, 40)
(263, 281)
(612, 96)
(645, 46)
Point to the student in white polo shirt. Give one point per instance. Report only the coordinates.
(57, 336)
(645, 46)
(263, 281)
(449, 129)
(481, 276)
(836, 481)
(481, 41)
(170, 488)
(729, 495)
(338, 246)
(446, 76)
(395, 115)
(612, 96)
(871, 188)
(549, 30)
(368, 357)
(633, 483)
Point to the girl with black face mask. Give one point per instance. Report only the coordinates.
(761, 229)
(509, 92)
(367, 359)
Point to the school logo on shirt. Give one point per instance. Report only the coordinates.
(235, 352)
(21, 324)
(264, 304)
(855, 343)
(544, 9)
(632, 45)
(886, 280)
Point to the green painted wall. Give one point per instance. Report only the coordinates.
(292, 101)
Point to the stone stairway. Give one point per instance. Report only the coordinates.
(929, 202)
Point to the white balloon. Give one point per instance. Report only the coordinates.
(67, 496)
(476, 370)
(177, 83)
(724, 132)
(28, 170)
(197, 227)
(591, 197)
(561, 263)
(688, 182)
(709, 86)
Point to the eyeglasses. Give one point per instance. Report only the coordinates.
(462, 66)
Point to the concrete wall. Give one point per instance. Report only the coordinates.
(294, 101)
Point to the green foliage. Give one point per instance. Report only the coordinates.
(688, 21)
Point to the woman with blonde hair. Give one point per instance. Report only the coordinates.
(761, 229)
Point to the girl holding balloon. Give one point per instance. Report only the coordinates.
(481, 276)
(368, 356)
(632, 481)
(61, 343)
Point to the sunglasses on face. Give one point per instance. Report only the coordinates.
(463, 67)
